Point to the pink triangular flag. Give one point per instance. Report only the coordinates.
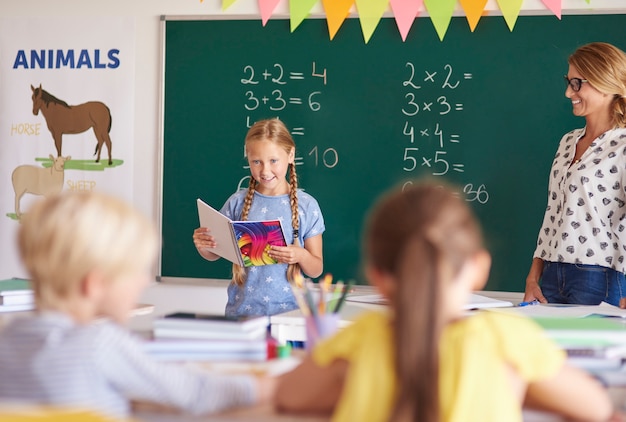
(267, 8)
(554, 6)
(405, 12)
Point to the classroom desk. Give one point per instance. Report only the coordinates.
(211, 297)
(289, 326)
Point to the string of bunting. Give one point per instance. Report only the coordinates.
(404, 12)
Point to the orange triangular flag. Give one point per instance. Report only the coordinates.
(554, 6)
(370, 12)
(405, 12)
(336, 12)
(267, 8)
(473, 11)
(510, 10)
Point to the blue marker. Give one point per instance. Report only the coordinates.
(532, 302)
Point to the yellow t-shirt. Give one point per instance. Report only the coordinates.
(474, 354)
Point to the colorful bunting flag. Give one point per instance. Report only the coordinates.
(405, 12)
(510, 10)
(370, 12)
(440, 12)
(554, 6)
(298, 11)
(336, 12)
(226, 4)
(267, 8)
(473, 11)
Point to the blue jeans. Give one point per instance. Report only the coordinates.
(581, 284)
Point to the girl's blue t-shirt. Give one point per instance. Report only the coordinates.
(266, 290)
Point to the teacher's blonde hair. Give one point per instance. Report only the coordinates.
(604, 66)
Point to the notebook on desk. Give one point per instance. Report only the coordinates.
(475, 302)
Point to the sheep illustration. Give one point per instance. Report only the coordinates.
(38, 180)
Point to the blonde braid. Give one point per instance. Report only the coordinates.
(294, 269)
(239, 273)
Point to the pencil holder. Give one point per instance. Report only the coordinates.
(320, 327)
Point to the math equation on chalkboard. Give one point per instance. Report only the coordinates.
(274, 89)
(430, 139)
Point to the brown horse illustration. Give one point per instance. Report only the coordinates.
(63, 118)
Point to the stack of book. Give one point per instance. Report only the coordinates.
(183, 350)
(16, 294)
(194, 336)
(592, 343)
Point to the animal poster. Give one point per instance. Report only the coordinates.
(66, 114)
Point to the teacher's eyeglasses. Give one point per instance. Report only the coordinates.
(575, 83)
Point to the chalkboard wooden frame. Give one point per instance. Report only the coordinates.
(499, 136)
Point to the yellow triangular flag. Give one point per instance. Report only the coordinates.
(510, 10)
(298, 11)
(336, 12)
(227, 3)
(370, 12)
(440, 12)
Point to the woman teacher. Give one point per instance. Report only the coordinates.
(581, 248)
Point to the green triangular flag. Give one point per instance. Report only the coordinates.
(440, 12)
(298, 11)
(370, 12)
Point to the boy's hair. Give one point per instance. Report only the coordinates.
(275, 131)
(421, 236)
(66, 236)
(604, 66)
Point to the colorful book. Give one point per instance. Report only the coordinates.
(245, 243)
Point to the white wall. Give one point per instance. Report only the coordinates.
(148, 65)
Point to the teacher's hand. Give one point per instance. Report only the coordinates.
(533, 291)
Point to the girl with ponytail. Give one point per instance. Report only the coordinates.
(265, 290)
(424, 359)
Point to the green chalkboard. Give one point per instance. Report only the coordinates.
(483, 110)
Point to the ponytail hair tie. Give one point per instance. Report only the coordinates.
(296, 233)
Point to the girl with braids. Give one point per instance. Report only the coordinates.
(580, 255)
(265, 290)
(424, 359)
